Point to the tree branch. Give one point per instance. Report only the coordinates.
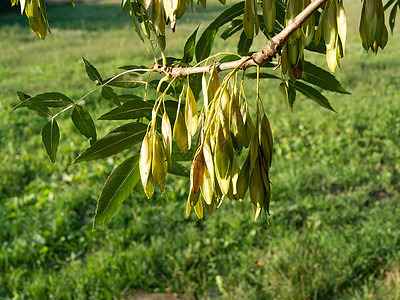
(273, 47)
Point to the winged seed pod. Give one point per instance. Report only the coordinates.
(341, 24)
(207, 187)
(213, 84)
(248, 19)
(237, 126)
(180, 133)
(146, 153)
(243, 178)
(157, 16)
(197, 170)
(198, 209)
(191, 117)
(166, 132)
(222, 154)
(225, 100)
(269, 14)
(266, 140)
(159, 165)
(256, 186)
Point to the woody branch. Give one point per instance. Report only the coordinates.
(273, 47)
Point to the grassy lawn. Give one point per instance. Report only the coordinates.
(335, 209)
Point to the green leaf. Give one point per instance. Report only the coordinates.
(206, 41)
(262, 75)
(133, 67)
(244, 44)
(232, 28)
(177, 169)
(51, 139)
(114, 142)
(117, 188)
(288, 94)
(188, 50)
(108, 94)
(84, 122)
(313, 94)
(128, 81)
(321, 78)
(92, 72)
(132, 109)
(41, 111)
(52, 99)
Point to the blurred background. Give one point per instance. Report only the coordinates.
(335, 210)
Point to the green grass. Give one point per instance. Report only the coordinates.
(336, 181)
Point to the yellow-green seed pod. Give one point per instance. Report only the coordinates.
(243, 178)
(149, 188)
(341, 25)
(222, 156)
(166, 132)
(223, 183)
(180, 133)
(235, 177)
(193, 197)
(213, 84)
(256, 186)
(197, 171)
(209, 208)
(146, 154)
(293, 51)
(204, 89)
(207, 187)
(225, 102)
(159, 165)
(191, 116)
(237, 126)
(269, 14)
(267, 138)
(198, 208)
(208, 158)
(157, 16)
(254, 148)
(248, 19)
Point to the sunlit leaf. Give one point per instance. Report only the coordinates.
(188, 50)
(41, 111)
(312, 94)
(118, 186)
(84, 122)
(108, 94)
(128, 80)
(52, 99)
(132, 109)
(51, 139)
(114, 142)
(91, 71)
(319, 77)
(244, 43)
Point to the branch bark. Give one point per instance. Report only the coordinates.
(273, 47)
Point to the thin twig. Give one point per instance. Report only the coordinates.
(273, 47)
